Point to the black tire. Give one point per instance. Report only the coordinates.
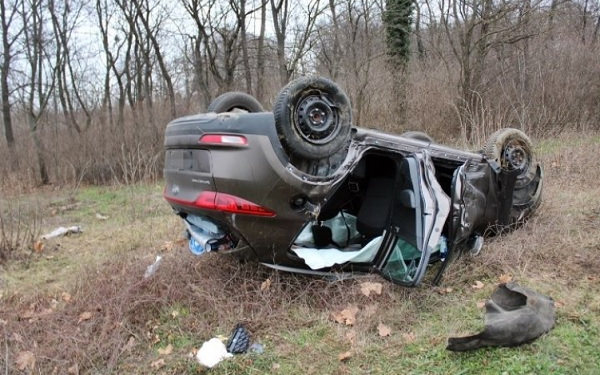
(512, 149)
(230, 101)
(417, 135)
(313, 118)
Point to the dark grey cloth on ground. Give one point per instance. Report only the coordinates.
(513, 316)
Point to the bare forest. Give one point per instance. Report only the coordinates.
(89, 86)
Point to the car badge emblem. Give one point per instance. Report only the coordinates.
(175, 189)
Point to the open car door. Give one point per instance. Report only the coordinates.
(419, 212)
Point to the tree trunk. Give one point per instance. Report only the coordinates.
(242, 22)
(280, 20)
(7, 56)
(260, 55)
(39, 152)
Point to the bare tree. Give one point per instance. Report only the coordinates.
(474, 29)
(283, 15)
(260, 54)
(10, 34)
(146, 11)
(113, 52)
(40, 75)
(64, 22)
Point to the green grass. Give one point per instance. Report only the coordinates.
(190, 300)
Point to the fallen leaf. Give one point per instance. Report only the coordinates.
(99, 216)
(276, 366)
(443, 291)
(85, 316)
(351, 336)
(175, 314)
(480, 304)
(383, 330)
(559, 304)
(130, 343)
(16, 337)
(266, 284)
(409, 337)
(25, 360)
(181, 242)
(168, 246)
(504, 278)
(478, 285)
(346, 316)
(73, 369)
(368, 287)
(369, 310)
(158, 364)
(38, 246)
(65, 296)
(166, 351)
(28, 314)
(345, 356)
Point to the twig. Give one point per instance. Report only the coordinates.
(6, 350)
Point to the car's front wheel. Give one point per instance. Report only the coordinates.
(513, 150)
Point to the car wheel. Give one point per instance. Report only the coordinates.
(313, 118)
(234, 100)
(513, 150)
(417, 135)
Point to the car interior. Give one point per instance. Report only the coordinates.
(381, 192)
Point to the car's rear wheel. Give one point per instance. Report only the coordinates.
(234, 100)
(418, 135)
(313, 118)
(513, 150)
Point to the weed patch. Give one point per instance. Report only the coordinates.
(83, 302)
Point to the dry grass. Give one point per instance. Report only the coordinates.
(84, 304)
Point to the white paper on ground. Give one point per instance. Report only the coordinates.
(321, 258)
(61, 231)
(212, 352)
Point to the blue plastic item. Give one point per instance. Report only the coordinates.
(195, 247)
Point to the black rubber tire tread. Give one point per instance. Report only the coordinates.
(285, 113)
(495, 146)
(232, 100)
(524, 203)
(417, 135)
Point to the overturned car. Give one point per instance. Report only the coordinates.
(301, 189)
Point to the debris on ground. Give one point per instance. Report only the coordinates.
(239, 340)
(62, 231)
(151, 270)
(256, 348)
(212, 352)
(514, 315)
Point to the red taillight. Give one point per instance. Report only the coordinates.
(223, 139)
(224, 202)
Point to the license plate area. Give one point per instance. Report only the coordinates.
(188, 160)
